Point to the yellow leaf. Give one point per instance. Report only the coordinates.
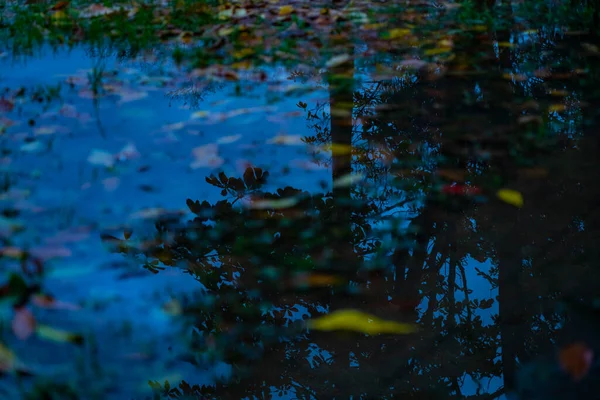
(399, 33)
(286, 10)
(339, 149)
(357, 321)
(225, 31)
(59, 15)
(278, 204)
(7, 359)
(558, 93)
(557, 108)
(511, 197)
(200, 114)
(506, 44)
(243, 53)
(347, 180)
(436, 51)
(56, 335)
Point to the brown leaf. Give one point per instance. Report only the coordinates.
(61, 5)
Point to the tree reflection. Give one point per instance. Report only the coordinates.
(441, 142)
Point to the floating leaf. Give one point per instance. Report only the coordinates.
(557, 108)
(438, 50)
(286, 10)
(338, 60)
(9, 361)
(23, 323)
(274, 204)
(506, 44)
(206, 156)
(286, 139)
(57, 335)
(229, 139)
(358, 321)
(315, 279)
(398, 33)
(511, 197)
(45, 130)
(172, 308)
(128, 152)
(6, 105)
(576, 360)
(347, 180)
(99, 157)
(32, 147)
(129, 96)
(338, 149)
(49, 302)
(61, 5)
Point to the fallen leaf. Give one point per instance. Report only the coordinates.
(437, 51)
(129, 96)
(45, 130)
(557, 108)
(338, 60)
(111, 184)
(510, 196)
(286, 140)
(461, 190)
(315, 279)
(128, 152)
(49, 302)
(337, 149)
(61, 5)
(274, 204)
(99, 157)
(56, 335)
(48, 252)
(32, 147)
(286, 10)
(576, 360)
(23, 323)
(206, 156)
(172, 308)
(358, 321)
(229, 139)
(398, 33)
(7, 359)
(6, 105)
(347, 180)
(152, 213)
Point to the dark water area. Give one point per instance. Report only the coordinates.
(192, 233)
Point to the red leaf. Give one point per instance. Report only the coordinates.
(23, 323)
(6, 105)
(49, 302)
(576, 360)
(461, 190)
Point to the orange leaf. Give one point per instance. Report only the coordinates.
(576, 360)
(23, 323)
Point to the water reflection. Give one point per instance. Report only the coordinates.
(421, 238)
(397, 215)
